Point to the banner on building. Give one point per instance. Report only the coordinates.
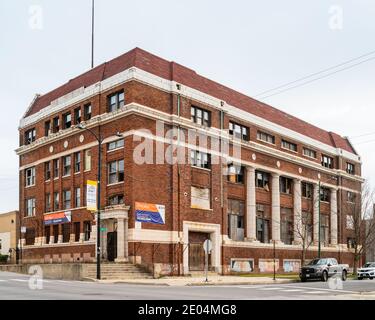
(58, 218)
(151, 213)
(91, 195)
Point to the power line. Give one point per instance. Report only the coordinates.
(362, 135)
(364, 142)
(315, 74)
(319, 78)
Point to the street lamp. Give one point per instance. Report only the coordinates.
(98, 237)
(319, 220)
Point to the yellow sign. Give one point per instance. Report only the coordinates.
(91, 195)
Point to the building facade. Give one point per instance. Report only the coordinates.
(184, 159)
(9, 235)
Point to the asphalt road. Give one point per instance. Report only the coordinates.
(19, 287)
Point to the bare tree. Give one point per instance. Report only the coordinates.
(303, 233)
(361, 220)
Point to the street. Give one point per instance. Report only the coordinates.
(16, 287)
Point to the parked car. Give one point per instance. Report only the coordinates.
(367, 271)
(323, 269)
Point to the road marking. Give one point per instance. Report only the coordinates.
(3, 280)
(315, 292)
(269, 289)
(20, 280)
(292, 290)
(320, 289)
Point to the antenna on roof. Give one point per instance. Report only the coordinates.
(92, 31)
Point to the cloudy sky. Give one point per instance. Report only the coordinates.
(251, 46)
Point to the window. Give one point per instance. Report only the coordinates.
(349, 222)
(289, 145)
(30, 136)
(262, 180)
(286, 225)
(77, 162)
(307, 190)
(47, 170)
(309, 153)
(286, 185)
(56, 165)
(56, 124)
(30, 207)
(266, 137)
(87, 112)
(47, 234)
(200, 116)
(324, 194)
(200, 159)
(327, 162)
(67, 120)
(66, 232)
(87, 230)
(263, 223)
(116, 199)
(77, 231)
(48, 204)
(115, 145)
(30, 177)
(47, 128)
(67, 165)
(307, 228)
(236, 226)
(350, 243)
(30, 236)
(236, 174)
(351, 197)
(77, 197)
(200, 198)
(87, 160)
(116, 101)
(115, 171)
(350, 168)
(324, 229)
(55, 233)
(66, 199)
(239, 131)
(77, 115)
(56, 201)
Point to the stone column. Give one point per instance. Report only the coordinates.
(250, 205)
(276, 208)
(120, 240)
(316, 214)
(333, 217)
(297, 211)
(126, 235)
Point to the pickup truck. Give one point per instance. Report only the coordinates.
(367, 271)
(323, 269)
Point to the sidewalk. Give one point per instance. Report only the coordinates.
(200, 281)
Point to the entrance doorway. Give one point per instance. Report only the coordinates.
(112, 246)
(196, 251)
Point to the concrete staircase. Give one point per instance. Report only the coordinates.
(116, 271)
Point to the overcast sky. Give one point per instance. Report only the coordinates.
(251, 46)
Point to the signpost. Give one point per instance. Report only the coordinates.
(207, 247)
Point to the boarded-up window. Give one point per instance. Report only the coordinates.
(200, 198)
(30, 236)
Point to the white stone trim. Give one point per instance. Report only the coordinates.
(215, 236)
(135, 73)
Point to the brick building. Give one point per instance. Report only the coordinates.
(263, 190)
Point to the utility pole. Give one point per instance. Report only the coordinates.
(92, 32)
(319, 235)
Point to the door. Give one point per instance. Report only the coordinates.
(196, 251)
(111, 246)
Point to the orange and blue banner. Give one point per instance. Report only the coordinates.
(57, 218)
(150, 213)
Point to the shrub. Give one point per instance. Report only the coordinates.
(3, 258)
